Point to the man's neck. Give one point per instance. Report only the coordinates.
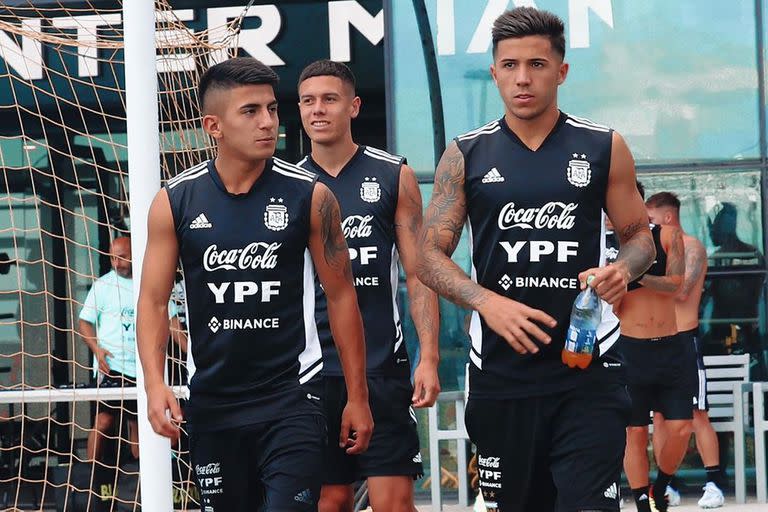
(534, 131)
(237, 175)
(333, 157)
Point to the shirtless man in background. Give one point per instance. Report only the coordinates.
(664, 209)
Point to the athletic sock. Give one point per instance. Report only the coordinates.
(641, 499)
(660, 489)
(714, 475)
(661, 483)
(674, 482)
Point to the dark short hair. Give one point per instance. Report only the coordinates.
(640, 188)
(327, 67)
(233, 73)
(664, 199)
(529, 21)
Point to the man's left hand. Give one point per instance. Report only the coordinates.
(426, 384)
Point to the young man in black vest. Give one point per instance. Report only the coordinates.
(250, 231)
(381, 210)
(532, 187)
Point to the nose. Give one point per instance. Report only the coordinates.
(266, 120)
(318, 108)
(523, 76)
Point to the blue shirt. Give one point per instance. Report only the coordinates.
(109, 307)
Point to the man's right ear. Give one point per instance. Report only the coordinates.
(211, 125)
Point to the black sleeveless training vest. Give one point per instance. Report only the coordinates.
(367, 191)
(536, 221)
(250, 293)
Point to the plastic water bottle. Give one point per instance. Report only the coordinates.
(586, 315)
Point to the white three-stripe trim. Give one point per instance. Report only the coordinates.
(394, 276)
(387, 156)
(292, 172)
(312, 353)
(380, 157)
(188, 177)
(475, 327)
(189, 171)
(587, 126)
(584, 120)
(488, 126)
(294, 168)
(478, 134)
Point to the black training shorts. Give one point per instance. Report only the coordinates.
(266, 466)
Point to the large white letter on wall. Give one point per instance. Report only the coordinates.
(344, 14)
(255, 41)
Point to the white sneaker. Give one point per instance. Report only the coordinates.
(713, 496)
(673, 497)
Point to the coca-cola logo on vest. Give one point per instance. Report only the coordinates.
(212, 468)
(357, 226)
(256, 255)
(553, 215)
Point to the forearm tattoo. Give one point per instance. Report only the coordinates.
(673, 277)
(695, 266)
(443, 223)
(637, 250)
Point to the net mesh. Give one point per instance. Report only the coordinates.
(63, 198)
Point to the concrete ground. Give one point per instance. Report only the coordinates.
(689, 505)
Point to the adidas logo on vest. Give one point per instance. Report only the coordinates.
(612, 492)
(493, 176)
(201, 222)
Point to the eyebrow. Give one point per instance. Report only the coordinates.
(543, 59)
(257, 105)
(320, 94)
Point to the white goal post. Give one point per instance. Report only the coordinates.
(144, 182)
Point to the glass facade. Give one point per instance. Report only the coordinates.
(631, 68)
(682, 81)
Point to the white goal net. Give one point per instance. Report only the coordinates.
(63, 199)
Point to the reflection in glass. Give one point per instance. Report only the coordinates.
(733, 319)
(731, 250)
(726, 199)
(722, 208)
(634, 72)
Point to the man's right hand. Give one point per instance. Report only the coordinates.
(160, 400)
(356, 427)
(101, 356)
(516, 323)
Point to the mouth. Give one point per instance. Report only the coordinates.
(524, 97)
(265, 140)
(319, 124)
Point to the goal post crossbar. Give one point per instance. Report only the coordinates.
(78, 395)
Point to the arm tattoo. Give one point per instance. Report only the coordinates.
(443, 224)
(446, 213)
(637, 250)
(670, 282)
(334, 245)
(695, 266)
